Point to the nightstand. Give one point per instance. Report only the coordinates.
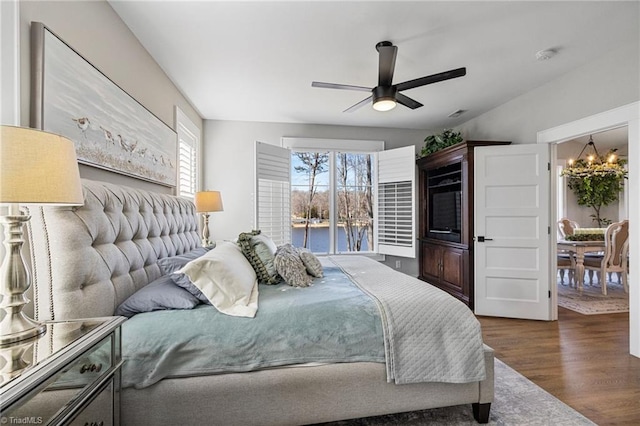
(69, 376)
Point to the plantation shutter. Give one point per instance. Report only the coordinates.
(273, 198)
(187, 170)
(396, 210)
(188, 142)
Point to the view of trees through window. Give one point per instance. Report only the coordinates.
(311, 204)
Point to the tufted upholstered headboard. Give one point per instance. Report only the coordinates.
(87, 260)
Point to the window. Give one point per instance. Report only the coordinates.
(332, 201)
(339, 201)
(188, 154)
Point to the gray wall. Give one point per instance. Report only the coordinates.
(95, 31)
(229, 161)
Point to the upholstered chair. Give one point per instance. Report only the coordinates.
(566, 265)
(566, 261)
(614, 259)
(566, 226)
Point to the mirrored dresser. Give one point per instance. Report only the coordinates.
(68, 376)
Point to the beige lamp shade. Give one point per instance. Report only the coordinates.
(37, 167)
(208, 201)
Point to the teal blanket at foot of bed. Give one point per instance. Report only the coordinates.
(331, 321)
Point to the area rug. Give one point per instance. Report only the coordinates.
(592, 301)
(517, 402)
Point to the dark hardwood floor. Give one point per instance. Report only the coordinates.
(582, 360)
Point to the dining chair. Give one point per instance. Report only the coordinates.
(566, 226)
(566, 261)
(566, 264)
(614, 259)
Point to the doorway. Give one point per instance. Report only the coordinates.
(592, 300)
(628, 115)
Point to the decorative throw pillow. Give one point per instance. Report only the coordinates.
(311, 262)
(227, 279)
(171, 264)
(290, 266)
(260, 251)
(158, 295)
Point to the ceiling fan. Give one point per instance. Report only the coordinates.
(386, 94)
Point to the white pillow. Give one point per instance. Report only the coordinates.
(227, 279)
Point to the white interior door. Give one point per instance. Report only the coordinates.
(512, 231)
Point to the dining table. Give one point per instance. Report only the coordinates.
(579, 248)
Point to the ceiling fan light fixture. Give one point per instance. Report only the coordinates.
(384, 105)
(384, 98)
(386, 95)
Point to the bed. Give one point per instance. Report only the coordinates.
(122, 233)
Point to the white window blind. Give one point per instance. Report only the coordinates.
(396, 217)
(187, 170)
(273, 206)
(188, 143)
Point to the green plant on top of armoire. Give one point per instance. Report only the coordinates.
(433, 143)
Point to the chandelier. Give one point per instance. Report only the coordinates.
(595, 180)
(594, 164)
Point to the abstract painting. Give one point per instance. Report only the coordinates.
(109, 128)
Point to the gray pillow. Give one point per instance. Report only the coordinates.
(183, 281)
(311, 262)
(158, 295)
(171, 264)
(290, 267)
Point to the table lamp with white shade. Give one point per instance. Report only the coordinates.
(207, 202)
(36, 168)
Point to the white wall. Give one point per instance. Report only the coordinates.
(228, 165)
(603, 84)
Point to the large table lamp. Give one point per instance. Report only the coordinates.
(37, 168)
(207, 202)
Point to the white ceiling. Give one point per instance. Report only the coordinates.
(255, 61)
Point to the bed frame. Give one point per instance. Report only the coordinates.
(87, 260)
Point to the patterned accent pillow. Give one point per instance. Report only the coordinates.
(311, 262)
(260, 251)
(290, 267)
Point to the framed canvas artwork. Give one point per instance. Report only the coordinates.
(109, 128)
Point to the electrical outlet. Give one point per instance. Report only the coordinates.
(398, 264)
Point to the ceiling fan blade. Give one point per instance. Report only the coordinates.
(339, 86)
(359, 104)
(407, 101)
(435, 78)
(386, 64)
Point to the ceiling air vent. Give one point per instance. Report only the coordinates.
(457, 113)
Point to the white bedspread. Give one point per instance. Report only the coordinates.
(429, 335)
